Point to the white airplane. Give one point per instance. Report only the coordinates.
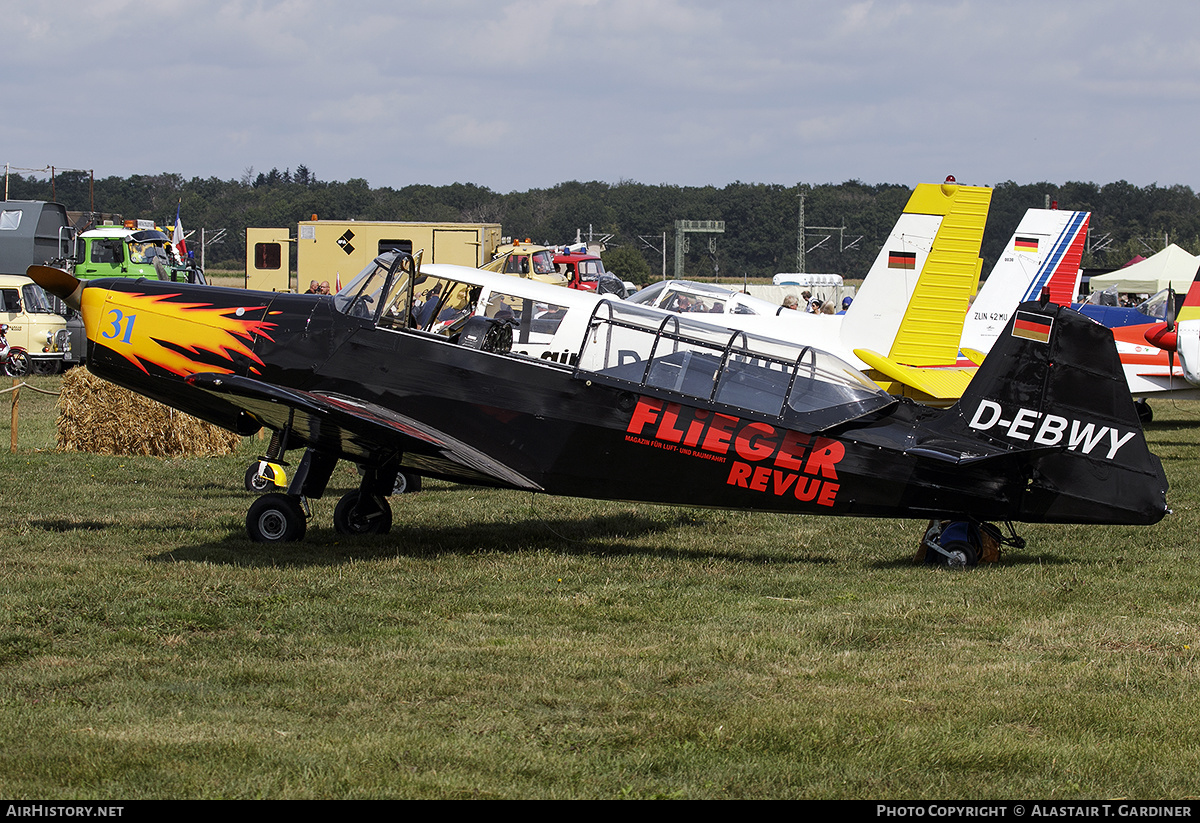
(911, 305)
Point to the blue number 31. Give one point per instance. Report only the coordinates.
(122, 326)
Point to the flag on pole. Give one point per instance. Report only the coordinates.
(177, 236)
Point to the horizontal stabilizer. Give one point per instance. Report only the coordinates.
(941, 383)
(974, 355)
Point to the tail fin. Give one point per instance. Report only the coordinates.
(1044, 253)
(1053, 395)
(914, 298)
(1190, 309)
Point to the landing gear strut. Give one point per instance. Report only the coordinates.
(359, 513)
(281, 518)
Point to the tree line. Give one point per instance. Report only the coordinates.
(847, 223)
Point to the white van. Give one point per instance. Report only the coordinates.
(812, 282)
(38, 336)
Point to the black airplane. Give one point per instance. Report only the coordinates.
(450, 372)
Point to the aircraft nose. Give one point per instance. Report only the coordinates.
(61, 284)
(1162, 335)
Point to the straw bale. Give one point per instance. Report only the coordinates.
(97, 416)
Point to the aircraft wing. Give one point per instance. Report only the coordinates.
(352, 428)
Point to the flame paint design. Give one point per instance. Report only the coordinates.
(173, 334)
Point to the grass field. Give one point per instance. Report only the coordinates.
(504, 645)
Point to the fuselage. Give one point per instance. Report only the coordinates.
(633, 413)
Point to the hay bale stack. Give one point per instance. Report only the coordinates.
(100, 417)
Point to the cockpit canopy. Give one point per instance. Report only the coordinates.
(644, 350)
(687, 296)
(614, 342)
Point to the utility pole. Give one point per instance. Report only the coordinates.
(800, 239)
(802, 229)
(683, 228)
(662, 249)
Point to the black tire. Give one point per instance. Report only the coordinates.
(406, 483)
(372, 516)
(17, 364)
(1144, 412)
(255, 482)
(45, 367)
(276, 518)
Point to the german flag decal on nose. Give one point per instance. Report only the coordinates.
(1032, 326)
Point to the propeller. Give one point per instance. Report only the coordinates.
(61, 284)
(1166, 335)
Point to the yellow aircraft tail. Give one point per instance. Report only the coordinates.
(914, 301)
(932, 326)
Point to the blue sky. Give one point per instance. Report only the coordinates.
(520, 94)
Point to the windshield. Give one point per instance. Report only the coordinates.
(36, 300)
(1105, 297)
(589, 270)
(682, 296)
(146, 252)
(1156, 306)
(543, 262)
(380, 291)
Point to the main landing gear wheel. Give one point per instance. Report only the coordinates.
(1144, 412)
(276, 518)
(406, 483)
(356, 514)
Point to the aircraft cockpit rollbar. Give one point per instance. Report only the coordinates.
(627, 345)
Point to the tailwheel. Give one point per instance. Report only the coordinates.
(959, 555)
(276, 518)
(358, 513)
(1144, 412)
(262, 475)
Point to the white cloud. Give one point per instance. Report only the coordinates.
(528, 93)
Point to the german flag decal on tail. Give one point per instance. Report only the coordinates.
(1032, 326)
(902, 260)
(1025, 244)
